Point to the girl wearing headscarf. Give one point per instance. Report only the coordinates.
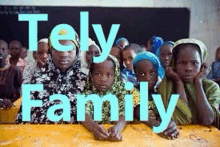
(60, 75)
(164, 54)
(86, 56)
(121, 43)
(104, 78)
(215, 71)
(199, 98)
(148, 69)
(154, 43)
(42, 55)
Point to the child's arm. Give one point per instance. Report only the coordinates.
(98, 130)
(171, 130)
(179, 84)
(206, 113)
(115, 131)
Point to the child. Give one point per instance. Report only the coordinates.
(87, 56)
(60, 75)
(199, 98)
(148, 69)
(128, 55)
(164, 53)
(15, 49)
(215, 71)
(24, 53)
(121, 43)
(41, 57)
(104, 78)
(154, 43)
(10, 79)
(117, 52)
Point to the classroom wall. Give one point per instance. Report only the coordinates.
(204, 20)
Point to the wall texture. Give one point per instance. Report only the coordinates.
(204, 20)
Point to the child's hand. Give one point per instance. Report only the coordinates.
(171, 131)
(100, 133)
(6, 104)
(39, 62)
(203, 72)
(114, 134)
(173, 75)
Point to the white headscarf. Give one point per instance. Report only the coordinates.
(84, 64)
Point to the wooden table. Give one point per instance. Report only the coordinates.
(9, 115)
(134, 135)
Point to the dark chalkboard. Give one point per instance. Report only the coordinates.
(137, 24)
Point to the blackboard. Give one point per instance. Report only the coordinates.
(136, 24)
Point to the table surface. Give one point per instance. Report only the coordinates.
(134, 135)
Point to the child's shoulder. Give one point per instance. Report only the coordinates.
(210, 85)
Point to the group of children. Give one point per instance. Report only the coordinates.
(168, 67)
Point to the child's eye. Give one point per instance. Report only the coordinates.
(162, 55)
(142, 74)
(97, 74)
(130, 58)
(195, 63)
(110, 75)
(152, 72)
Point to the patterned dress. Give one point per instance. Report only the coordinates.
(117, 89)
(69, 83)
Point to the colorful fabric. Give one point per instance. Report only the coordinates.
(64, 32)
(186, 114)
(156, 43)
(84, 65)
(117, 89)
(32, 68)
(152, 58)
(129, 76)
(215, 71)
(68, 83)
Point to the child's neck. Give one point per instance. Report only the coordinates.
(14, 60)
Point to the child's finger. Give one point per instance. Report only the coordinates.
(103, 131)
(119, 137)
(100, 136)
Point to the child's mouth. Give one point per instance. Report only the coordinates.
(103, 86)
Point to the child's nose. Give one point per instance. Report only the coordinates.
(189, 67)
(104, 78)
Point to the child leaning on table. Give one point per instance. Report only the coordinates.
(104, 78)
(10, 79)
(148, 69)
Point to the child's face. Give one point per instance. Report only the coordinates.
(188, 63)
(15, 49)
(146, 72)
(218, 55)
(64, 60)
(116, 51)
(93, 51)
(128, 57)
(3, 51)
(42, 52)
(23, 52)
(103, 75)
(166, 55)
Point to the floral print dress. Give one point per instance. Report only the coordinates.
(69, 83)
